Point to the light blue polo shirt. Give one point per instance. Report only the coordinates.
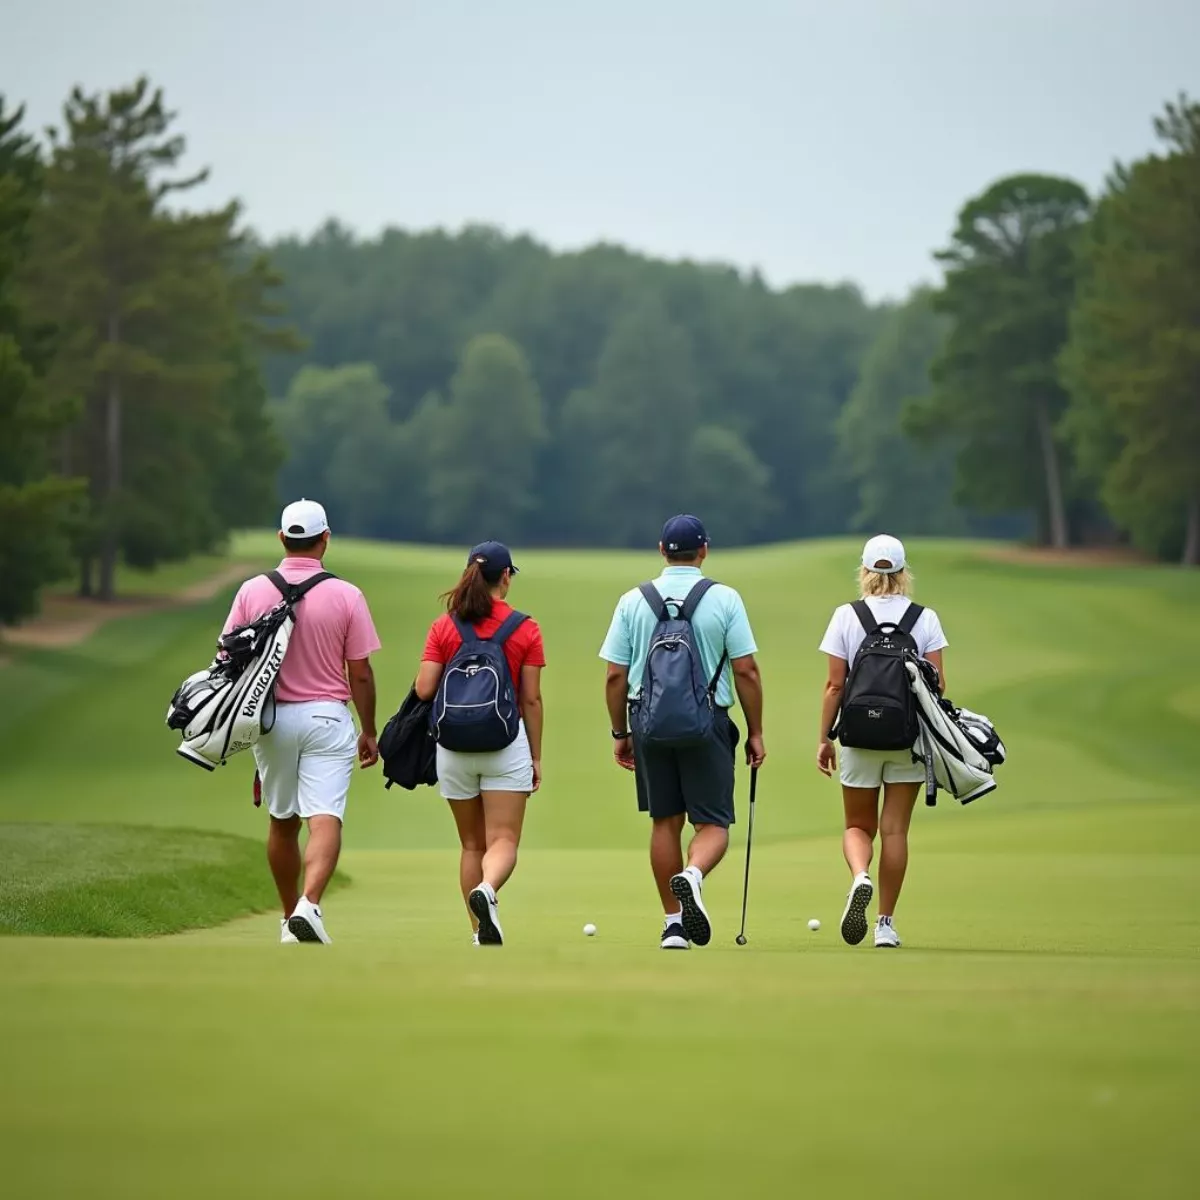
(720, 624)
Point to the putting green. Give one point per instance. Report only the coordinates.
(1036, 1035)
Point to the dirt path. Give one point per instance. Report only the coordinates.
(68, 620)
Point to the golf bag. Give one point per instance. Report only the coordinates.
(959, 748)
(223, 709)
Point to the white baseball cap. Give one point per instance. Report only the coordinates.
(303, 519)
(883, 548)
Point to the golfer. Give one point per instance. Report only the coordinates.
(696, 783)
(305, 762)
(487, 792)
(885, 583)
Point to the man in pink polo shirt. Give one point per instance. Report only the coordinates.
(305, 762)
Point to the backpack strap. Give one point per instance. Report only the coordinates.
(656, 602)
(465, 631)
(911, 617)
(292, 592)
(698, 592)
(866, 617)
(508, 627)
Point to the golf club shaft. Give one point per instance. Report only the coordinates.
(749, 843)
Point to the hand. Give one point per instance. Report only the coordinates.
(368, 750)
(537, 775)
(623, 752)
(826, 757)
(756, 752)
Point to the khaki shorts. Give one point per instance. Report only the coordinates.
(874, 768)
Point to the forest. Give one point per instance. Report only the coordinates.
(167, 377)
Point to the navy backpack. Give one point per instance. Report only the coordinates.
(676, 706)
(475, 710)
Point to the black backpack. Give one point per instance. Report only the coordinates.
(475, 709)
(879, 710)
(407, 750)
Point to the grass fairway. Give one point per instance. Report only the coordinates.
(1035, 1037)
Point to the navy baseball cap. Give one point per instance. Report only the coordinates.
(684, 533)
(494, 559)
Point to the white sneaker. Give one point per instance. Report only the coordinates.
(483, 904)
(886, 937)
(696, 924)
(306, 924)
(673, 937)
(286, 936)
(854, 918)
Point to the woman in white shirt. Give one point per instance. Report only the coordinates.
(885, 584)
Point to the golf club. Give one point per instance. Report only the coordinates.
(741, 937)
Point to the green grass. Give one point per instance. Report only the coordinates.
(125, 881)
(1035, 1037)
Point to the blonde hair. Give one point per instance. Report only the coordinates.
(876, 583)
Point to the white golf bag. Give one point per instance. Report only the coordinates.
(960, 749)
(223, 709)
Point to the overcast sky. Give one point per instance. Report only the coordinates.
(813, 139)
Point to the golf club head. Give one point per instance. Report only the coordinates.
(740, 939)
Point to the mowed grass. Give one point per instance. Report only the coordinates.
(125, 881)
(1035, 1037)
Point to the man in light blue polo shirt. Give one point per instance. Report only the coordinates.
(694, 783)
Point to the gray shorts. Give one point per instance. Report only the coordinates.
(697, 781)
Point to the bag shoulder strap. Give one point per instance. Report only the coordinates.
(656, 602)
(465, 631)
(508, 627)
(866, 617)
(911, 617)
(292, 592)
(698, 592)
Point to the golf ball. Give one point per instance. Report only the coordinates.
(589, 930)
(814, 924)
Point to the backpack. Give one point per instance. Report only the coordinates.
(879, 711)
(407, 751)
(223, 709)
(475, 710)
(676, 706)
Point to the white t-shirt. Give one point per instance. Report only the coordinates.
(846, 633)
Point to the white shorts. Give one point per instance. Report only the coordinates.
(307, 760)
(873, 768)
(464, 776)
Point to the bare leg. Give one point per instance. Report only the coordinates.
(898, 802)
(321, 854)
(666, 858)
(283, 854)
(708, 847)
(503, 815)
(862, 823)
(468, 817)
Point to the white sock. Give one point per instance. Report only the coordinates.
(885, 921)
(695, 873)
(673, 919)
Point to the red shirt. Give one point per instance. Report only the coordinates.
(523, 649)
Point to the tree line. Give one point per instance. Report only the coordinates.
(165, 377)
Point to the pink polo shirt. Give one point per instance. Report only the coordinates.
(333, 626)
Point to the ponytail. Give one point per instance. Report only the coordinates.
(470, 600)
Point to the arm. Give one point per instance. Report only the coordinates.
(362, 690)
(616, 694)
(831, 701)
(428, 678)
(935, 657)
(748, 684)
(532, 713)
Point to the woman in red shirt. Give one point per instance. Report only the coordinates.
(487, 790)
